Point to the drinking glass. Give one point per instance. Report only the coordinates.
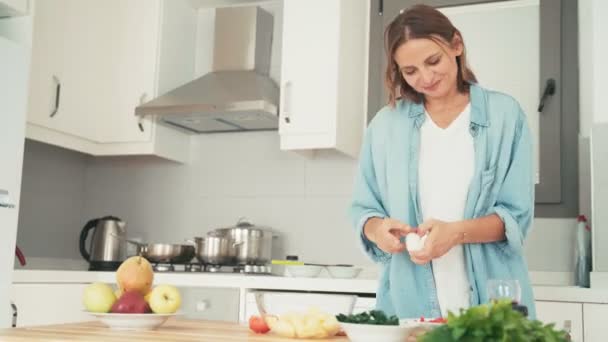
(499, 289)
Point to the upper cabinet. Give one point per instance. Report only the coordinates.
(93, 62)
(324, 74)
(12, 8)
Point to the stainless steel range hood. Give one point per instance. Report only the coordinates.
(238, 95)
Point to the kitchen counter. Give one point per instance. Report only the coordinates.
(173, 330)
(245, 282)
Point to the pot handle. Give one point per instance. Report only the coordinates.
(234, 244)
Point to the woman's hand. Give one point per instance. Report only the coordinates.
(442, 237)
(386, 234)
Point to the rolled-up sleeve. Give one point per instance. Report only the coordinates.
(515, 201)
(366, 202)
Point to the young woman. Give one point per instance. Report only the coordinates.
(449, 160)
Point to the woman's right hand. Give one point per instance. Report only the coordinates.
(386, 233)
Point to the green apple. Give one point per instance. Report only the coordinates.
(98, 297)
(165, 299)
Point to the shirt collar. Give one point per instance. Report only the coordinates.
(479, 115)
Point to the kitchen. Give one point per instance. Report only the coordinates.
(169, 186)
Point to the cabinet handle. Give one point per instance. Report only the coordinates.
(57, 95)
(549, 91)
(380, 7)
(286, 100)
(5, 200)
(140, 123)
(14, 322)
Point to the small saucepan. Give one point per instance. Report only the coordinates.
(216, 250)
(164, 252)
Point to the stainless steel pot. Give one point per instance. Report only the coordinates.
(215, 250)
(254, 242)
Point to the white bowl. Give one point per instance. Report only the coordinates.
(370, 332)
(132, 322)
(416, 325)
(305, 271)
(343, 272)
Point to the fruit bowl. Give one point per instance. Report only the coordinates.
(132, 322)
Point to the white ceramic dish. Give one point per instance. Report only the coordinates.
(132, 322)
(304, 271)
(343, 272)
(369, 332)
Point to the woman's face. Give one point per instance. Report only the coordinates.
(428, 67)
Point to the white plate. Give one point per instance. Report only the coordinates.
(369, 332)
(133, 322)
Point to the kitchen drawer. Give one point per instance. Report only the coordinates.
(298, 299)
(364, 304)
(215, 304)
(42, 304)
(562, 315)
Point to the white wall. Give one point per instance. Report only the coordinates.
(52, 200)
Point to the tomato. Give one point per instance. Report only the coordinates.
(438, 320)
(258, 325)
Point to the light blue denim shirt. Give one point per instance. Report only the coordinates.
(503, 183)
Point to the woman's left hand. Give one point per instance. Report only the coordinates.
(442, 237)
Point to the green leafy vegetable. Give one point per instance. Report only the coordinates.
(493, 322)
(375, 317)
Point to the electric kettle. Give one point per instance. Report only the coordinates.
(107, 247)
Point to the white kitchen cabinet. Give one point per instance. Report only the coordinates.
(323, 74)
(562, 315)
(93, 62)
(596, 329)
(13, 8)
(41, 304)
(14, 59)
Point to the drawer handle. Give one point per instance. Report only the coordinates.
(202, 306)
(57, 95)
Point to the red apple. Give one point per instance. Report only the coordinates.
(131, 302)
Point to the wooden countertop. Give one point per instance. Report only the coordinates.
(171, 331)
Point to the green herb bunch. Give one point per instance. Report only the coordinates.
(496, 321)
(375, 317)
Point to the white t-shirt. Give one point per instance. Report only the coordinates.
(446, 163)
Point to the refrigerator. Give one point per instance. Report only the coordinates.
(14, 75)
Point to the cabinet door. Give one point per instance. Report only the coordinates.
(10, 8)
(46, 70)
(41, 304)
(111, 53)
(596, 329)
(309, 67)
(562, 315)
(13, 92)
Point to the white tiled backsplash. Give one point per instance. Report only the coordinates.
(230, 176)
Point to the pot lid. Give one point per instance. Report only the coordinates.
(244, 223)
